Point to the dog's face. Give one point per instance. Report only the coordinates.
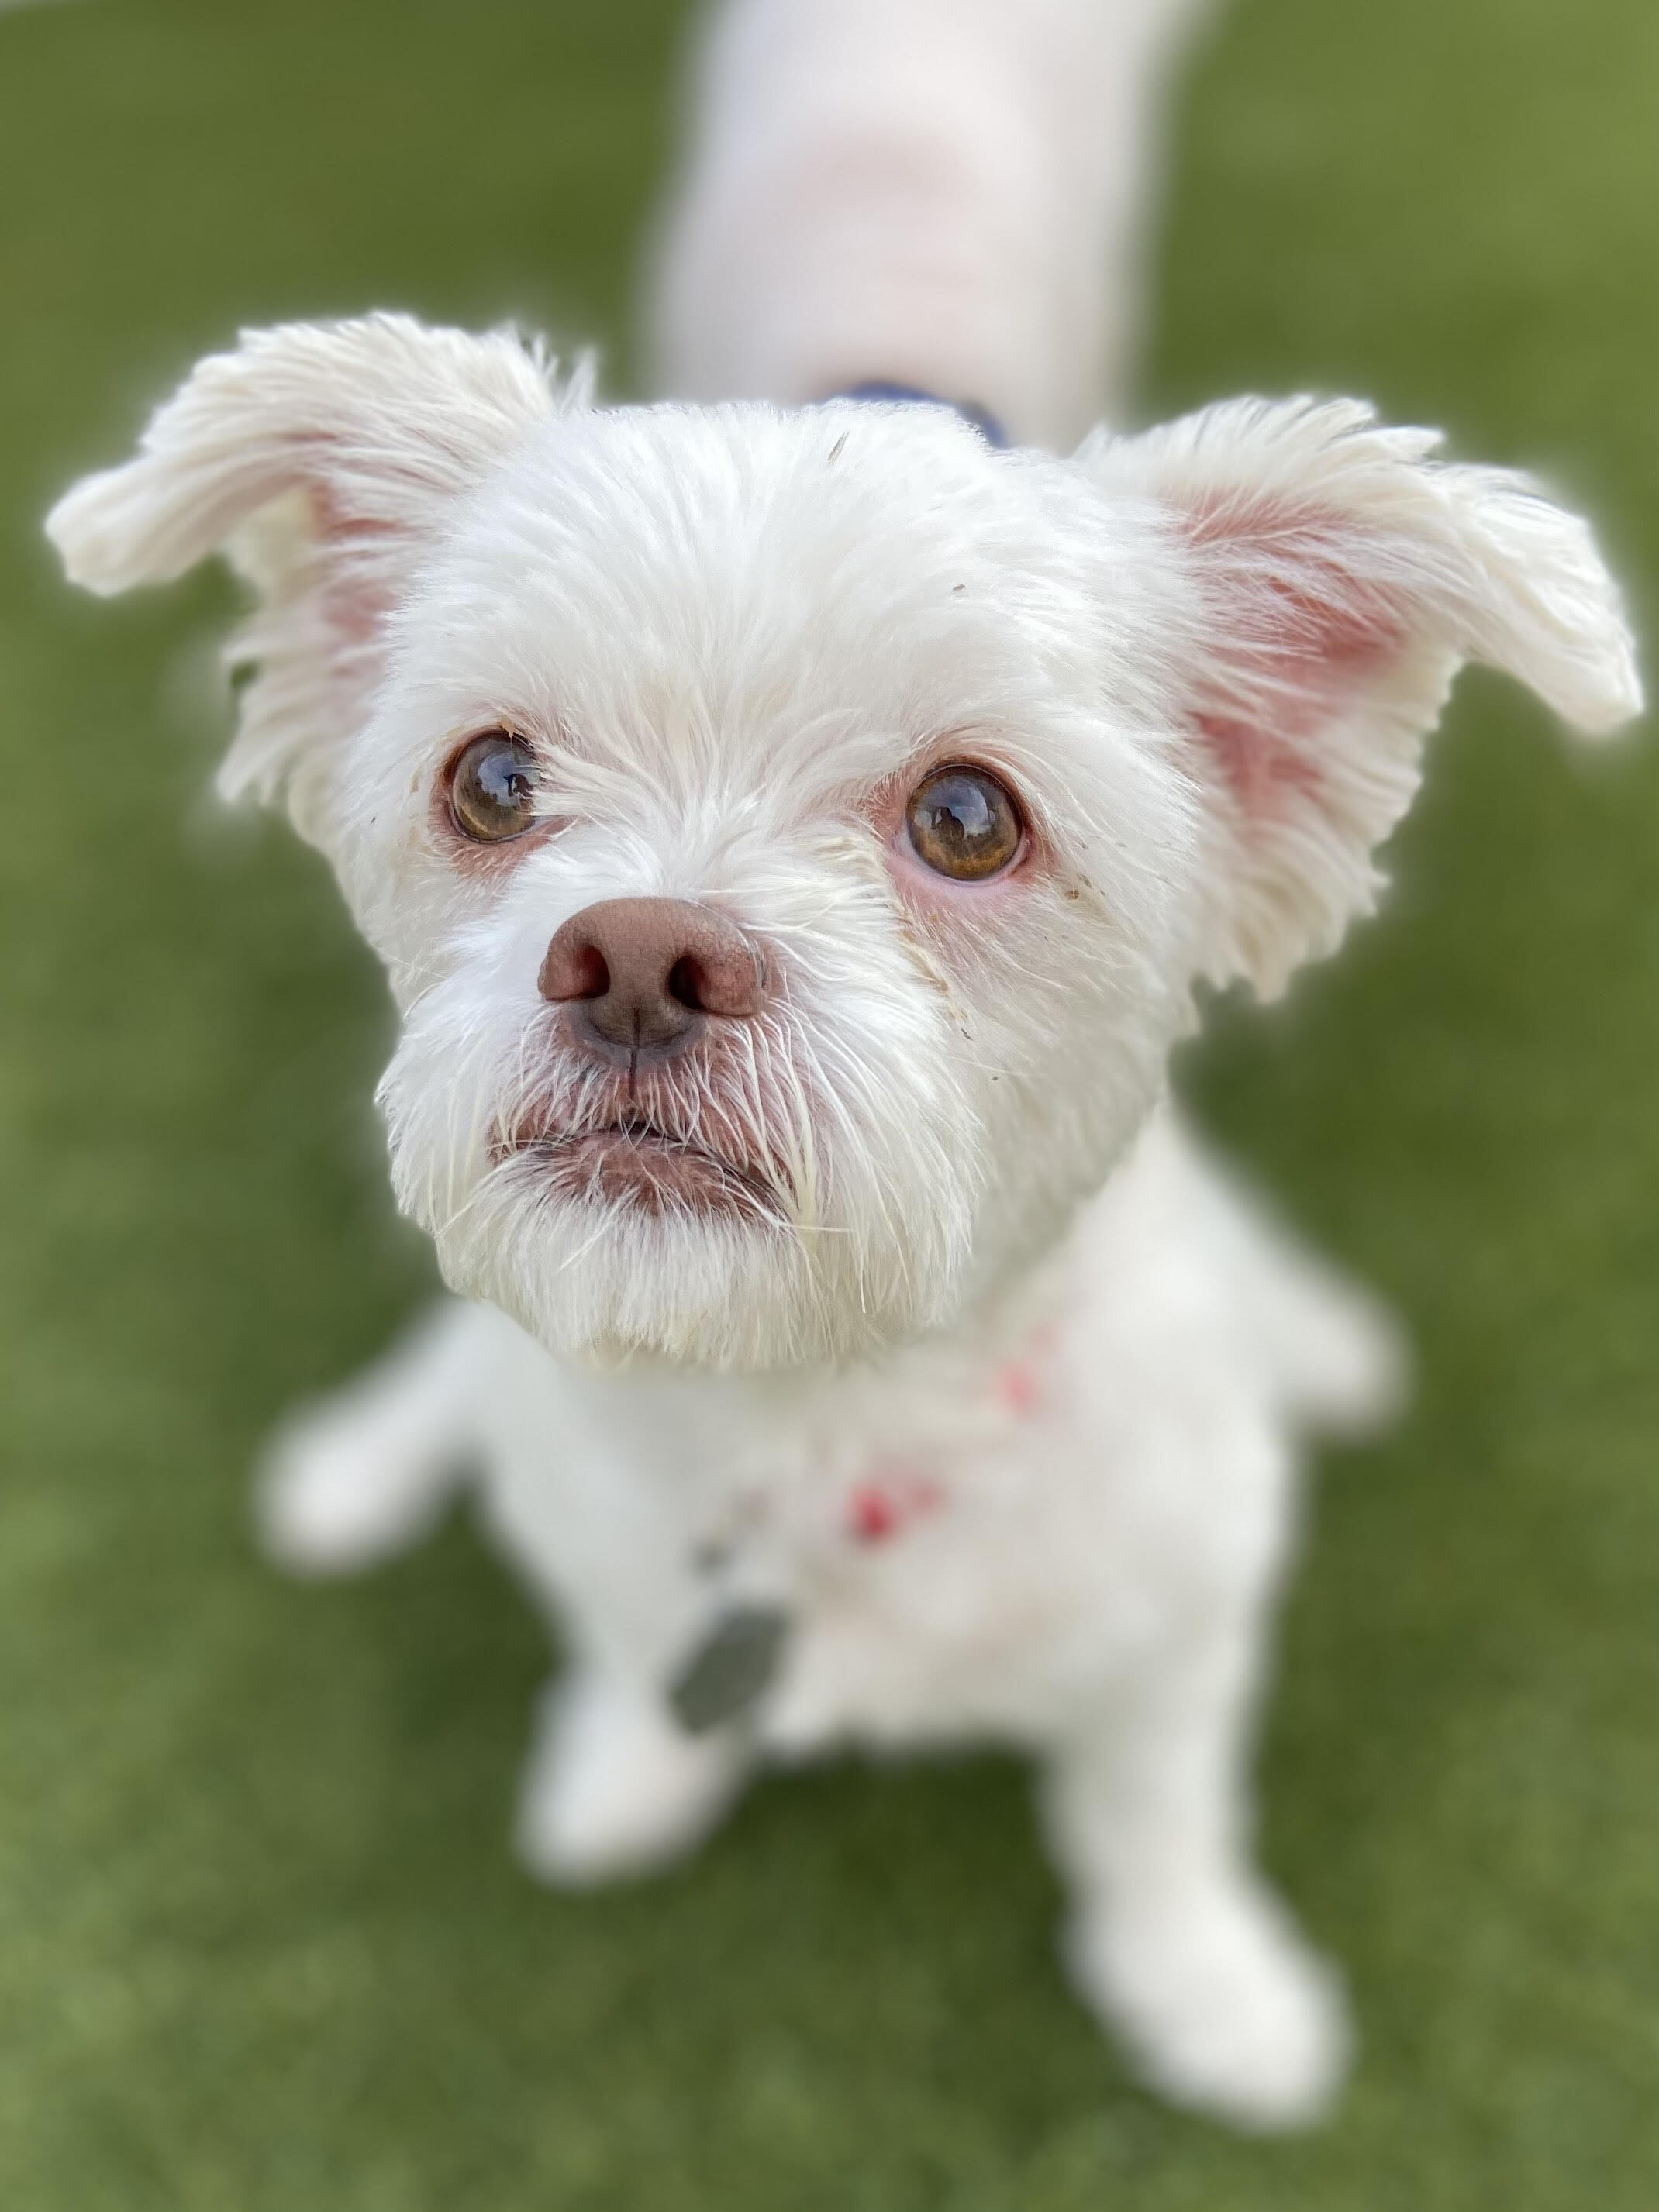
(758, 823)
(792, 838)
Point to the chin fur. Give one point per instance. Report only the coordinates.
(611, 1279)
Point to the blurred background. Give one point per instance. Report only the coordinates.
(261, 1943)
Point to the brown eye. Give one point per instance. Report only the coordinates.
(492, 788)
(963, 824)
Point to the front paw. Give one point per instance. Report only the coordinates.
(329, 1499)
(1218, 2000)
(613, 1788)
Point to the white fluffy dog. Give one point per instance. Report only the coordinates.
(792, 828)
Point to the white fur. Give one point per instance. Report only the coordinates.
(1002, 1397)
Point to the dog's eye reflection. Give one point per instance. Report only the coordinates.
(492, 787)
(963, 824)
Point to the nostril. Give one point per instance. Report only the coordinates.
(688, 985)
(574, 968)
(589, 977)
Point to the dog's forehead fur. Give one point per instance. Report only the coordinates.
(740, 597)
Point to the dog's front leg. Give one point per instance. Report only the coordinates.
(1173, 1938)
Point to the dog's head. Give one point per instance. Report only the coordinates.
(792, 837)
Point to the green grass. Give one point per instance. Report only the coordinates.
(261, 1948)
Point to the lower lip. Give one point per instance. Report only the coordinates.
(655, 1173)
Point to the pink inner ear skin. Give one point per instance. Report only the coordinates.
(355, 600)
(1259, 767)
(356, 611)
(1306, 647)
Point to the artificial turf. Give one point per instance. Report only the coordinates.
(261, 1947)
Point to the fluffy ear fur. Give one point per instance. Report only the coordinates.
(1340, 577)
(320, 457)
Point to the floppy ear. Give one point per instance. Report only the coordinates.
(1335, 578)
(322, 458)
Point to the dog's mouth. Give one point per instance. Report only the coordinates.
(634, 1163)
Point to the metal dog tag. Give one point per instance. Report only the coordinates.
(730, 1668)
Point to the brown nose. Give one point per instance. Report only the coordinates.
(640, 974)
